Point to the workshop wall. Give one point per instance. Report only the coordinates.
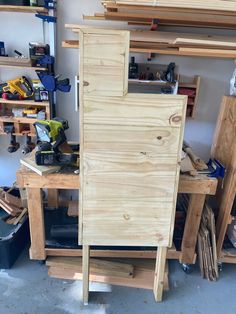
(22, 28)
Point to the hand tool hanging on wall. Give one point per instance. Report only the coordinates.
(52, 83)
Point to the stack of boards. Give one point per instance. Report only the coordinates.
(207, 245)
(214, 14)
(221, 5)
(135, 273)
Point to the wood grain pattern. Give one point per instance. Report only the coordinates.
(105, 69)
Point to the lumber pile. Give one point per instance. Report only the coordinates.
(13, 206)
(201, 14)
(136, 273)
(207, 246)
(173, 43)
(221, 5)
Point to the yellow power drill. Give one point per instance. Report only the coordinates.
(19, 86)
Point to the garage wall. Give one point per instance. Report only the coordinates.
(215, 74)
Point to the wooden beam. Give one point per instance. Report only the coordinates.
(36, 220)
(159, 273)
(192, 223)
(150, 254)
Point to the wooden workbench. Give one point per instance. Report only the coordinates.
(198, 188)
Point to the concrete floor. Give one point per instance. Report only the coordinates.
(27, 289)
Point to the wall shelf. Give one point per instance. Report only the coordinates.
(24, 103)
(22, 9)
(23, 120)
(11, 62)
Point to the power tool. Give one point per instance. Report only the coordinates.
(14, 145)
(52, 146)
(20, 86)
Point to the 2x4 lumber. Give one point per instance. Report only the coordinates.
(150, 254)
(192, 223)
(85, 273)
(97, 266)
(36, 220)
(159, 273)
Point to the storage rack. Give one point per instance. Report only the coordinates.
(24, 125)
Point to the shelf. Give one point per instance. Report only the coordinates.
(24, 103)
(17, 120)
(11, 62)
(147, 82)
(19, 134)
(22, 9)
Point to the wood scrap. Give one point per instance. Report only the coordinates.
(97, 266)
(20, 217)
(207, 254)
(29, 162)
(16, 201)
(143, 275)
(9, 208)
(198, 163)
(186, 165)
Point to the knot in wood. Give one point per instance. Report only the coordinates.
(126, 217)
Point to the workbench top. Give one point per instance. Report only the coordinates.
(201, 184)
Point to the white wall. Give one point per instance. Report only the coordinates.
(18, 29)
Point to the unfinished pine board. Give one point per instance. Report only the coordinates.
(131, 163)
(29, 162)
(224, 149)
(104, 66)
(36, 220)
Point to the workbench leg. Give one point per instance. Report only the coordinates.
(36, 221)
(192, 224)
(53, 198)
(159, 273)
(85, 270)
